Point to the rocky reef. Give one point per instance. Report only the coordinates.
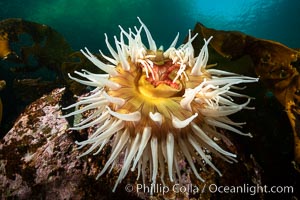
(39, 161)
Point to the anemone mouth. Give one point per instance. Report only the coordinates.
(159, 82)
(161, 90)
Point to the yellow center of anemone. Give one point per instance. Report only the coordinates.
(160, 91)
(140, 94)
(162, 95)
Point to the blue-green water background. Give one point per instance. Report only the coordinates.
(83, 23)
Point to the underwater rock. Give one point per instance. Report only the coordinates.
(38, 156)
(39, 161)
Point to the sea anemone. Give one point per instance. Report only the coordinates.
(156, 107)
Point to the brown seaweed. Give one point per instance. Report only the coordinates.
(275, 64)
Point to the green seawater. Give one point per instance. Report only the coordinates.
(83, 23)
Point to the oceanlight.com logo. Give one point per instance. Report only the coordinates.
(211, 188)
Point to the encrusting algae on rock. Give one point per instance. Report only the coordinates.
(155, 107)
